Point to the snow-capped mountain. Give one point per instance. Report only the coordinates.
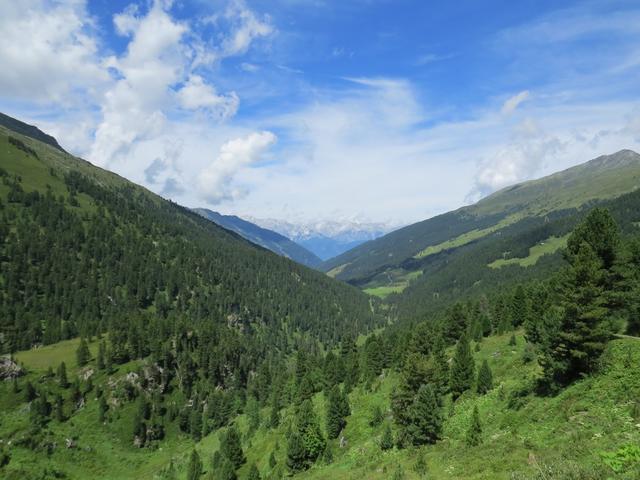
(326, 238)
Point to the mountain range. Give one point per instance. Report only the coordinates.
(264, 237)
(142, 339)
(326, 239)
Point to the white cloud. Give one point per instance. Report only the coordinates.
(216, 181)
(510, 105)
(246, 27)
(196, 94)
(48, 52)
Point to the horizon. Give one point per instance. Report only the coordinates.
(250, 108)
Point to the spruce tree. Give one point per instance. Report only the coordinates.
(474, 433)
(296, 454)
(584, 327)
(231, 447)
(194, 469)
(462, 368)
(63, 381)
(425, 417)
(100, 359)
(102, 409)
(485, 379)
(82, 353)
(386, 442)
(59, 408)
(335, 417)
(309, 431)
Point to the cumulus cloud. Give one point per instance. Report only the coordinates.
(525, 155)
(197, 94)
(216, 181)
(510, 105)
(61, 63)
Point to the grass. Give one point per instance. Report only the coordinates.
(547, 247)
(38, 360)
(582, 428)
(396, 281)
(466, 238)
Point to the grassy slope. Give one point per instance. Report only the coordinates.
(549, 246)
(588, 418)
(602, 178)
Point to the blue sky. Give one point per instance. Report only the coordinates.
(305, 110)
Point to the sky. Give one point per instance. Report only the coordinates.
(386, 111)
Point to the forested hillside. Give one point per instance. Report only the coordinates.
(262, 236)
(513, 235)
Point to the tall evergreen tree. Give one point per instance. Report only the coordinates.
(485, 379)
(296, 453)
(585, 296)
(426, 417)
(231, 447)
(462, 368)
(60, 408)
(82, 353)
(335, 413)
(474, 433)
(63, 381)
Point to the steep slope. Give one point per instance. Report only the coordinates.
(82, 247)
(389, 260)
(28, 131)
(261, 236)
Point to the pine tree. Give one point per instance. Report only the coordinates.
(296, 454)
(102, 409)
(254, 473)
(231, 447)
(519, 307)
(100, 360)
(335, 418)
(440, 374)
(29, 392)
(575, 344)
(194, 470)
(60, 408)
(309, 431)
(82, 353)
(426, 418)
(485, 379)
(462, 368)
(386, 442)
(474, 433)
(63, 381)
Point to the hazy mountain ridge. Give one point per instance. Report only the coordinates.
(264, 237)
(326, 239)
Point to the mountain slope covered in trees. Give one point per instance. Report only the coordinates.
(516, 233)
(82, 249)
(262, 236)
(144, 341)
(602, 178)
